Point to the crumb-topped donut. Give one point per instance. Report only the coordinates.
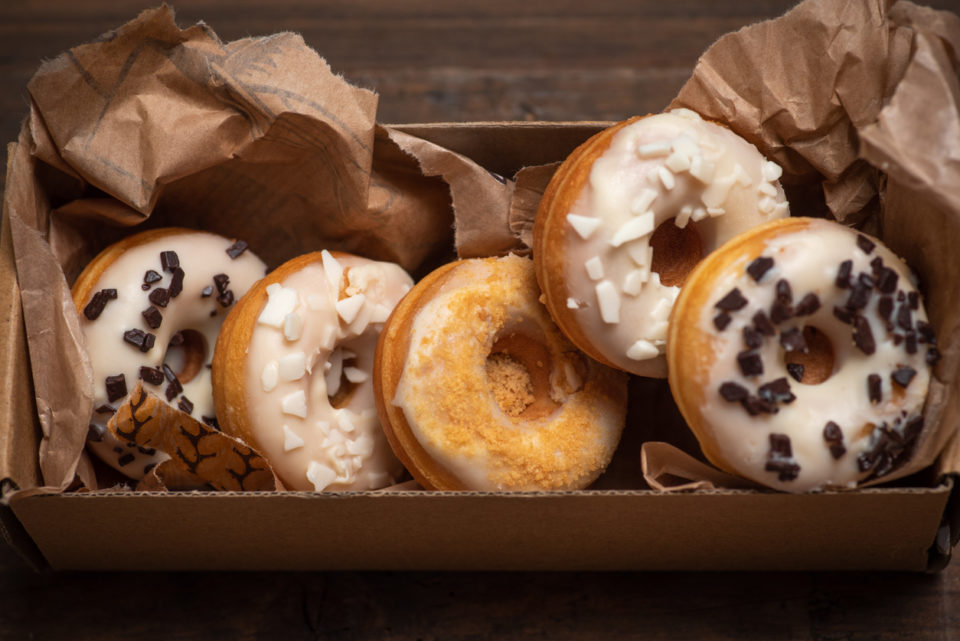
(478, 389)
(292, 370)
(800, 356)
(151, 307)
(628, 215)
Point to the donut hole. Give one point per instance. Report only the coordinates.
(342, 377)
(817, 362)
(676, 251)
(186, 354)
(518, 375)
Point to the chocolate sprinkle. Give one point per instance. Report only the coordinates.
(885, 307)
(833, 435)
(176, 282)
(865, 243)
(861, 292)
(116, 387)
(911, 345)
(751, 337)
(153, 317)
(903, 375)
(721, 320)
(762, 322)
(236, 249)
(173, 389)
(755, 406)
(126, 459)
(780, 459)
(98, 302)
(807, 305)
(151, 277)
(792, 340)
(733, 301)
(781, 311)
(904, 317)
(844, 315)
(887, 281)
(169, 260)
(843, 274)
(759, 267)
(206, 292)
(784, 293)
(168, 373)
(733, 392)
(863, 336)
(160, 297)
(796, 371)
(875, 388)
(140, 339)
(750, 363)
(225, 299)
(221, 281)
(151, 375)
(185, 405)
(776, 391)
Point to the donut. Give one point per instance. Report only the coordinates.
(151, 306)
(626, 217)
(292, 370)
(800, 355)
(477, 388)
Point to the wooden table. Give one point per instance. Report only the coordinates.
(436, 61)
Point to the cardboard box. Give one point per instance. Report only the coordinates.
(907, 527)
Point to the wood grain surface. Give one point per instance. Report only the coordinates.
(457, 61)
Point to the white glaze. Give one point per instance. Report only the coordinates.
(310, 444)
(717, 180)
(202, 255)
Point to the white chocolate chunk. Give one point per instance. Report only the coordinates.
(653, 149)
(349, 307)
(609, 301)
(677, 162)
(766, 205)
(699, 213)
(292, 326)
(642, 202)
(355, 374)
(782, 209)
(641, 253)
(293, 366)
(574, 382)
(686, 146)
(683, 217)
(323, 427)
(333, 270)
(713, 212)
(362, 447)
(662, 309)
(594, 268)
(634, 280)
(767, 189)
(573, 303)
(318, 302)
(642, 350)
(583, 225)
(380, 313)
(295, 404)
(320, 475)
(702, 169)
(716, 192)
(269, 376)
(634, 228)
(345, 421)
(334, 368)
(290, 439)
(772, 171)
(666, 178)
(280, 302)
(740, 175)
(683, 112)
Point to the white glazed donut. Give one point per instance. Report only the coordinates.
(800, 356)
(627, 216)
(292, 370)
(151, 307)
(478, 389)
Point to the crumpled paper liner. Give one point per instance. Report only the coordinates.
(200, 456)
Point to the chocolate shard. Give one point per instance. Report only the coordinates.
(925, 332)
(844, 315)
(843, 274)
(795, 370)
(863, 336)
(116, 387)
(140, 339)
(126, 459)
(174, 387)
(763, 324)
(885, 307)
(876, 265)
(933, 356)
(98, 302)
(105, 409)
(887, 281)
(733, 301)
(780, 311)
(792, 340)
(160, 296)
(751, 337)
(750, 363)
(875, 388)
(176, 339)
(225, 299)
(721, 320)
(185, 405)
(236, 249)
(96, 432)
(176, 282)
(905, 317)
(784, 293)
(153, 317)
(861, 292)
(221, 281)
(776, 391)
(169, 260)
(759, 266)
(211, 421)
(733, 392)
(903, 375)
(755, 406)
(911, 342)
(913, 299)
(780, 458)
(807, 305)
(151, 375)
(150, 277)
(865, 244)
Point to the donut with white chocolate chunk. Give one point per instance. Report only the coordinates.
(292, 370)
(800, 356)
(627, 216)
(151, 307)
